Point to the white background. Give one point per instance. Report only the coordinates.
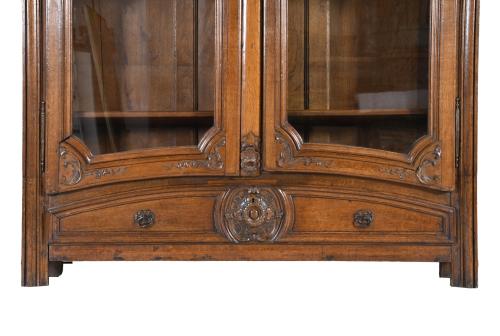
(248, 298)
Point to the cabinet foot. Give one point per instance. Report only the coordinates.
(56, 268)
(445, 270)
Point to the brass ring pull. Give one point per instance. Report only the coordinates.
(363, 218)
(144, 218)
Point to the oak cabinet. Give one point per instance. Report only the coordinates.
(250, 130)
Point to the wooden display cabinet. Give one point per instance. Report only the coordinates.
(250, 130)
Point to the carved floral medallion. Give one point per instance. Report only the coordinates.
(253, 214)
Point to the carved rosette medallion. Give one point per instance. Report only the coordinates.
(250, 155)
(253, 214)
(424, 170)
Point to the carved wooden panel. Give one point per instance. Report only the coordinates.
(253, 214)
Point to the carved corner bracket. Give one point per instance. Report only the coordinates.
(253, 214)
(214, 159)
(71, 171)
(250, 155)
(286, 157)
(429, 160)
(70, 167)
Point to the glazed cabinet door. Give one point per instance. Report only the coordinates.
(137, 89)
(366, 88)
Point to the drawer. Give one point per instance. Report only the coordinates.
(330, 217)
(312, 217)
(172, 217)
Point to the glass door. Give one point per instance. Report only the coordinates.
(361, 88)
(144, 88)
(143, 73)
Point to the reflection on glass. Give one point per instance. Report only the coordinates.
(143, 73)
(358, 71)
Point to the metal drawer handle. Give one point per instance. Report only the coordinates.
(363, 218)
(144, 218)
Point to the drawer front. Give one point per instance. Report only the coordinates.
(172, 217)
(167, 215)
(330, 217)
(248, 214)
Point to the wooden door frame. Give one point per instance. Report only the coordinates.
(430, 163)
(70, 165)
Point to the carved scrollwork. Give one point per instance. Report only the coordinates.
(286, 156)
(250, 155)
(430, 160)
(397, 172)
(214, 159)
(70, 171)
(253, 214)
(100, 173)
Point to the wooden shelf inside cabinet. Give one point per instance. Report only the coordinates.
(145, 114)
(357, 113)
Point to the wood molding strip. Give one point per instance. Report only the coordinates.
(91, 252)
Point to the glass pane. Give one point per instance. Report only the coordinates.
(143, 73)
(358, 71)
